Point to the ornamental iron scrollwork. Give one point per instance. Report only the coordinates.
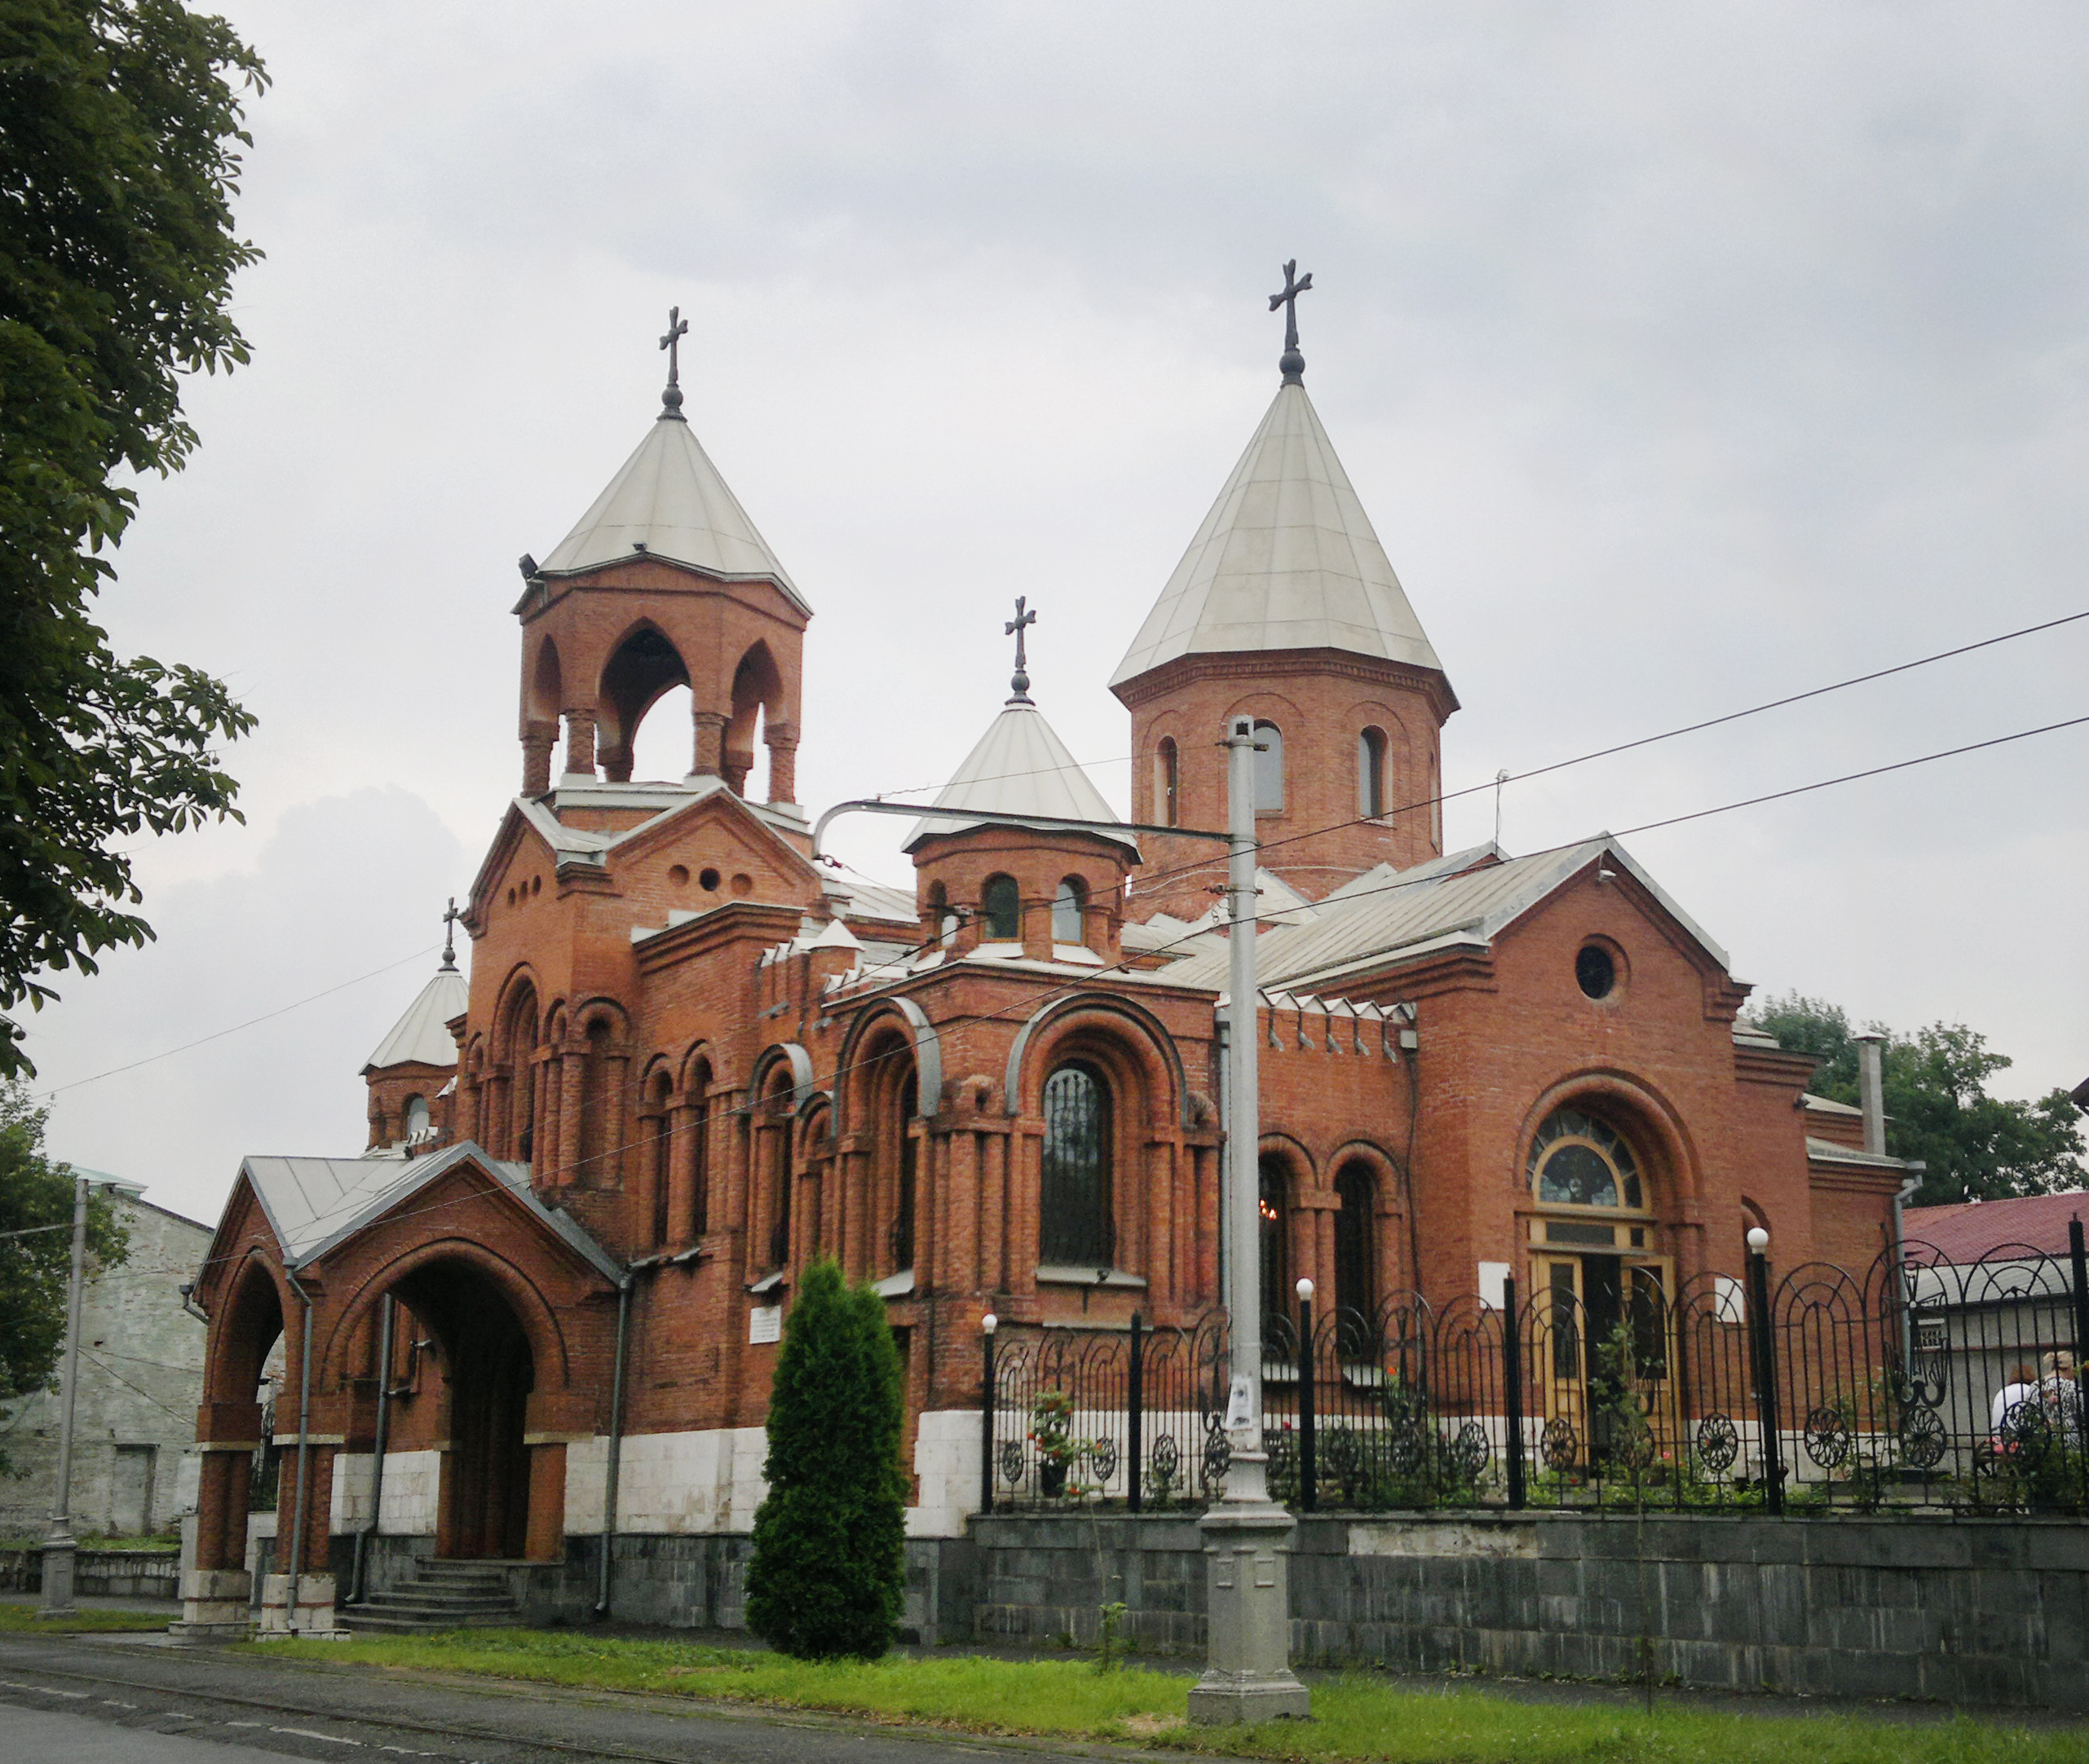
(1102, 1458)
(1012, 1463)
(1632, 1442)
(2027, 1430)
(1827, 1437)
(1217, 1453)
(1923, 1441)
(1467, 1452)
(1718, 1443)
(1559, 1444)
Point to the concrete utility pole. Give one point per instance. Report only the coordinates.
(57, 1548)
(1248, 1537)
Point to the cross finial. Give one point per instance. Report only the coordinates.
(449, 937)
(1020, 680)
(677, 328)
(1292, 364)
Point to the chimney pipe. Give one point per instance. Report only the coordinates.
(1871, 1090)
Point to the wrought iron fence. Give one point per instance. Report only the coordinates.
(1921, 1383)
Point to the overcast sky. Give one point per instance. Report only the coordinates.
(1684, 357)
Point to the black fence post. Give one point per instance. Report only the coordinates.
(1762, 1345)
(987, 1324)
(2080, 1259)
(1135, 1396)
(1309, 1481)
(1512, 1379)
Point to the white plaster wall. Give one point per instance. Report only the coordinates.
(946, 1460)
(680, 1484)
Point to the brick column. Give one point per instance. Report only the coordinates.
(538, 740)
(572, 1069)
(783, 743)
(710, 743)
(545, 1539)
(579, 742)
(681, 1173)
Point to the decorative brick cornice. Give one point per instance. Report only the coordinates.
(1274, 664)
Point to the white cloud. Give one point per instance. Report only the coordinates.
(1684, 358)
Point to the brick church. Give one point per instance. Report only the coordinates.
(689, 1056)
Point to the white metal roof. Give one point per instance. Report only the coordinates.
(1286, 559)
(1019, 767)
(419, 1035)
(1373, 919)
(668, 500)
(313, 1203)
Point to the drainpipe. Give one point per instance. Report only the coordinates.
(304, 1455)
(376, 1466)
(616, 1445)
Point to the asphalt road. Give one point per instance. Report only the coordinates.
(82, 1699)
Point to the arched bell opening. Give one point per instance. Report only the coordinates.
(644, 669)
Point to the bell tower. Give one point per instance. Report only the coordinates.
(1285, 609)
(664, 582)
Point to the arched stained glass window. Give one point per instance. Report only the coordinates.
(1356, 1242)
(1269, 769)
(1001, 901)
(1579, 1161)
(1075, 1229)
(1068, 913)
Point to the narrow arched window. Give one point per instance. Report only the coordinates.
(1356, 1252)
(659, 1148)
(1371, 774)
(777, 1129)
(1269, 769)
(597, 1144)
(1168, 783)
(1069, 912)
(1274, 1209)
(700, 1148)
(940, 915)
(416, 1123)
(909, 1173)
(1076, 1225)
(1001, 902)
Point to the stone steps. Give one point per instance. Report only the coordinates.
(442, 1595)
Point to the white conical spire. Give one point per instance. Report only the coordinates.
(421, 1034)
(669, 501)
(1020, 766)
(1286, 559)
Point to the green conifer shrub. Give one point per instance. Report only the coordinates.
(828, 1570)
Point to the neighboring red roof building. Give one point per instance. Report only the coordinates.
(1970, 1229)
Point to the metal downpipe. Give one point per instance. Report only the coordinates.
(616, 1447)
(363, 1538)
(304, 1457)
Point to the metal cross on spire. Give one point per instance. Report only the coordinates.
(1020, 680)
(449, 935)
(677, 328)
(1290, 363)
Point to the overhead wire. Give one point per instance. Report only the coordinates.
(1031, 1003)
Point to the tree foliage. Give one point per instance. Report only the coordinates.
(116, 258)
(1977, 1147)
(828, 1570)
(35, 1197)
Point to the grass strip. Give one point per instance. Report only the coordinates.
(1356, 1717)
(23, 1620)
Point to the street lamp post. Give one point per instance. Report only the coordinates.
(1248, 1537)
(58, 1549)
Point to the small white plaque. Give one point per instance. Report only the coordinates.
(765, 1323)
(1494, 1284)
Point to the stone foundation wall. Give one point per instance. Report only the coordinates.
(105, 1573)
(1973, 1611)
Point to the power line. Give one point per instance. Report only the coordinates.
(267, 1016)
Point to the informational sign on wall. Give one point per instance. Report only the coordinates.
(765, 1323)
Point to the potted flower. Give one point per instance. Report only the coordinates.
(1052, 1432)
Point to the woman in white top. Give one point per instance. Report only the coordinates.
(2022, 1387)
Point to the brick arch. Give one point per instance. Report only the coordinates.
(788, 1054)
(910, 1023)
(522, 975)
(241, 1336)
(704, 1052)
(603, 1008)
(1109, 1021)
(535, 1315)
(1655, 1127)
(1278, 1143)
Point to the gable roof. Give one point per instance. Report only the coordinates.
(1464, 897)
(1019, 766)
(669, 501)
(312, 1204)
(1286, 559)
(420, 1036)
(1967, 1230)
